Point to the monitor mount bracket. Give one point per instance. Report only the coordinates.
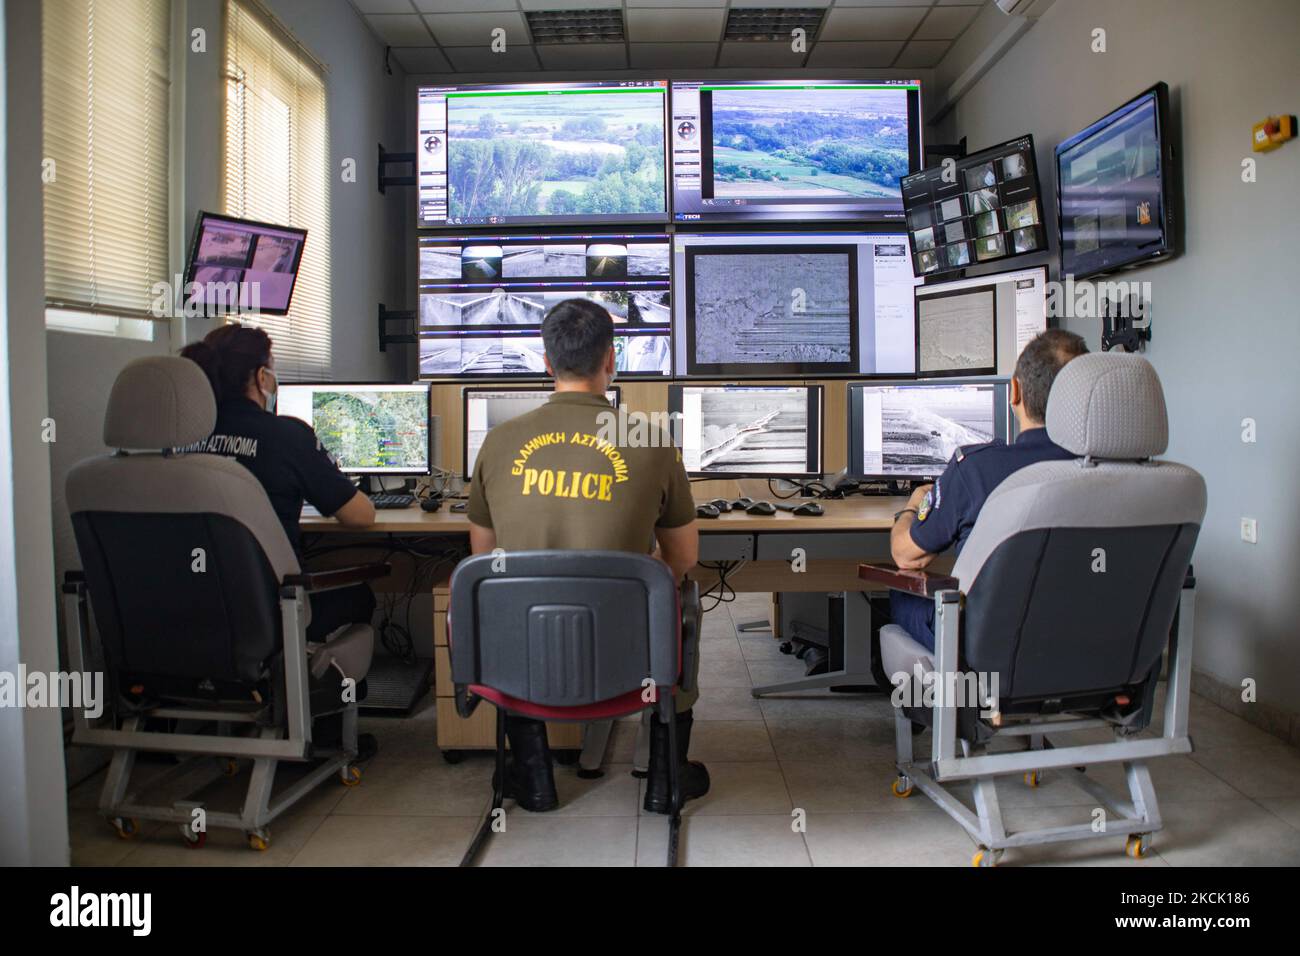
(1127, 329)
(386, 337)
(385, 160)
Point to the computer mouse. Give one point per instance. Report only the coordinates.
(808, 508)
(430, 504)
(460, 506)
(741, 503)
(761, 508)
(722, 504)
(706, 511)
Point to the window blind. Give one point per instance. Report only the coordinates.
(105, 75)
(277, 171)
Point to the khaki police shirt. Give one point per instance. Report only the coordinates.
(555, 478)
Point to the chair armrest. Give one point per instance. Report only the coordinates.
(921, 583)
(72, 580)
(338, 578)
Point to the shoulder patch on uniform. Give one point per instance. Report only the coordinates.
(965, 450)
(923, 510)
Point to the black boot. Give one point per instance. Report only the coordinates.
(693, 775)
(530, 777)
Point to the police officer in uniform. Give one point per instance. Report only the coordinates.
(555, 478)
(290, 463)
(941, 515)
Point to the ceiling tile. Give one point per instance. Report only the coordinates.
(945, 23)
(571, 4)
(582, 56)
(686, 56)
(649, 26)
(758, 53)
(788, 4)
(715, 4)
(383, 6)
(475, 29)
(480, 59)
(958, 3)
(464, 6)
(887, 3)
(867, 23)
(922, 54)
(400, 29)
(425, 59)
(870, 54)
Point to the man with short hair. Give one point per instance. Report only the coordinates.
(941, 515)
(550, 480)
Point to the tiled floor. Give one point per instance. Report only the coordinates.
(1235, 801)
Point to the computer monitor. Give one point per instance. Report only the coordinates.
(978, 326)
(486, 407)
(910, 430)
(482, 300)
(800, 151)
(1118, 189)
(755, 431)
(766, 305)
(369, 429)
(239, 265)
(981, 208)
(514, 154)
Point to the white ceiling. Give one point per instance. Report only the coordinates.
(454, 36)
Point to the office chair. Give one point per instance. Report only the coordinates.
(1074, 579)
(570, 636)
(202, 615)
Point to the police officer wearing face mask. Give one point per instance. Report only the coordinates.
(286, 457)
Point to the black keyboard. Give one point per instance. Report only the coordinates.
(392, 501)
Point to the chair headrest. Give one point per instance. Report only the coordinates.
(159, 402)
(1108, 405)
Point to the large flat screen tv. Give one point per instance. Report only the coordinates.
(541, 153)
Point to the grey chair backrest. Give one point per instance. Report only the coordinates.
(183, 554)
(564, 628)
(1073, 569)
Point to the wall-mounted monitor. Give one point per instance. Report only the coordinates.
(1118, 189)
(367, 429)
(485, 407)
(762, 305)
(541, 153)
(979, 326)
(482, 299)
(800, 151)
(910, 430)
(981, 208)
(239, 265)
(756, 431)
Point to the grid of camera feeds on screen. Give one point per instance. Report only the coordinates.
(979, 326)
(773, 304)
(1111, 187)
(912, 430)
(367, 429)
(241, 266)
(483, 298)
(829, 150)
(486, 408)
(754, 430)
(986, 207)
(531, 153)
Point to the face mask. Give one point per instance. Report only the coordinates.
(270, 397)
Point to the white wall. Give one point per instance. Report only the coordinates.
(1225, 318)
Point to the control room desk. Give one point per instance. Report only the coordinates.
(851, 531)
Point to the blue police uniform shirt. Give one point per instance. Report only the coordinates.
(284, 455)
(950, 508)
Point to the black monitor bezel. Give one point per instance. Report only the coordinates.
(464, 413)
(190, 265)
(816, 443)
(853, 419)
(382, 473)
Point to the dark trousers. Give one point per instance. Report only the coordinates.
(915, 615)
(330, 610)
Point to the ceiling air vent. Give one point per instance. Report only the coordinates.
(771, 23)
(576, 26)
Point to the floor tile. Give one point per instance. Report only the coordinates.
(551, 840)
(887, 839)
(388, 841)
(747, 840)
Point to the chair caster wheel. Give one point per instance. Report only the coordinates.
(585, 774)
(194, 839)
(901, 787)
(350, 776)
(1138, 845)
(126, 827)
(259, 841)
(786, 647)
(230, 767)
(453, 757)
(1033, 779)
(986, 857)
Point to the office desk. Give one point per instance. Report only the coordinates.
(781, 552)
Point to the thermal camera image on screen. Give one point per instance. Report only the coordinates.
(798, 143)
(373, 429)
(915, 431)
(572, 153)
